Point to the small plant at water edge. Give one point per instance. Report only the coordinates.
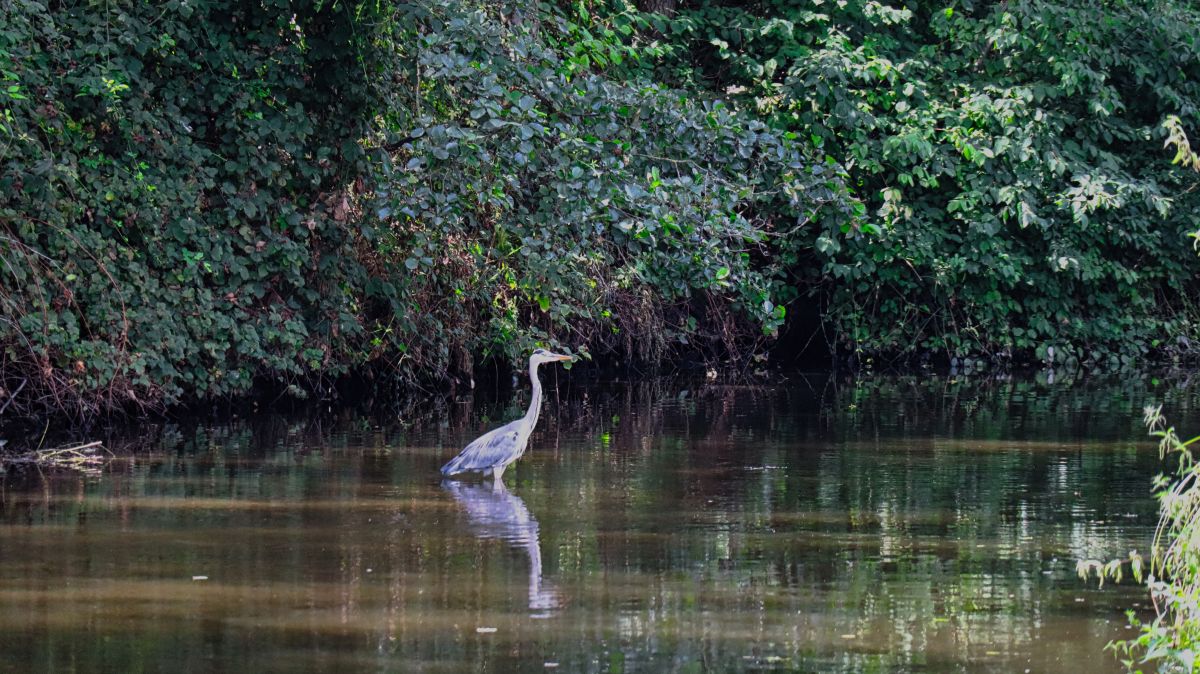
(1171, 640)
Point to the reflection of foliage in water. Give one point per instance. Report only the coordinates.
(891, 480)
(734, 527)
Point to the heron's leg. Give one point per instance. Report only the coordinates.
(498, 474)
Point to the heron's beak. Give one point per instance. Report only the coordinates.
(559, 356)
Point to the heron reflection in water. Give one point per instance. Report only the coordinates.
(494, 513)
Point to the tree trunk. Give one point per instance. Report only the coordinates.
(664, 7)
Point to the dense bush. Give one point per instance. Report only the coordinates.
(195, 196)
(172, 196)
(534, 202)
(1010, 153)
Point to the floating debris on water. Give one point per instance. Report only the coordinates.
(86, 458)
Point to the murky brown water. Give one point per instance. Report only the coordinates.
(890, 525)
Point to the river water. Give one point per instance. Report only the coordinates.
(813, 525)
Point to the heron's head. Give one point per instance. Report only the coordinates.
(543, 356)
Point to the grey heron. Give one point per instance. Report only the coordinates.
(494, 450)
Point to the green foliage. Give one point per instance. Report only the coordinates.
(609, 36)
(170, 188)
(195, 196)
(198, 196)
(1008, 153)
(1184, 155)
(533, 202)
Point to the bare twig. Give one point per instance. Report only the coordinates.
(12, 396)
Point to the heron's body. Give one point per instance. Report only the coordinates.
(493, 451)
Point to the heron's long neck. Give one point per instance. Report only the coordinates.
(535, 403)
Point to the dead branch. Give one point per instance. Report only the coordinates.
(88, 458)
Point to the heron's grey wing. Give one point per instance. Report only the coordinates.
(489, 449)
